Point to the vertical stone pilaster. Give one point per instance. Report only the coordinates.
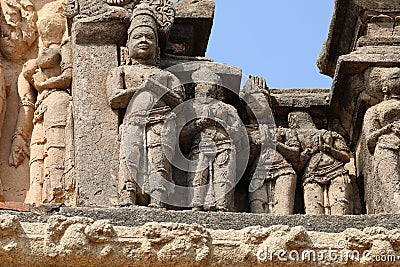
(361, 49)
(95, 123)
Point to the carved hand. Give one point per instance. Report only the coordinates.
(307, 153)
(395, 127)
(260, 82)
(47, 84)
(280, 135)
(327, 148)
(19, 151)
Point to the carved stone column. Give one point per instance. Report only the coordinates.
(96, 32)
(362, 44)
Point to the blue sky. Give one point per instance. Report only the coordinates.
(279, 40)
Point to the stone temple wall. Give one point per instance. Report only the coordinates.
(123, 145)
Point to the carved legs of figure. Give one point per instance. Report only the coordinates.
(145, 160)
(275, 196)
(387, 169)
(212, 186)
(339, 194)
(259, 200)
(329, 199)
(198, 181)
(36, 164)
(284, 195)
(159, 168)
(132, 146)
(56, 188)
(48, 142)
(224, 178)
(314, 198)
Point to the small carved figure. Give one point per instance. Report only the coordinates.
(326, 184)
(382, 129)
(214, 146)
(142, 157)
(273, 183)
(43, 87)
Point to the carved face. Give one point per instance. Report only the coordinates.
(300, 120)
(49, 57)
(392, 83)
(206, 90)
(142, 43)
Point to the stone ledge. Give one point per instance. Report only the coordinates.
(86, 241)
(138, 216)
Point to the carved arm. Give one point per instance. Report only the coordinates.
(62, 81)
(23, 129)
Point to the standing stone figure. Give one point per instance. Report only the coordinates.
(141, 82)
(326, 184)
(382, 129)
(273, 183)
(18, 33)
(213, 147)
(43, 87)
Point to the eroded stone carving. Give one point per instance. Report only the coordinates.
(83, 241)
(51, 24)
(273, 183)
(45, 119)
(9, 226)
(326, 184)
(382, 130)
(172, 241)
(149, 92)
(80, 236)
(3, 103)
(18, 28)
(214, 146)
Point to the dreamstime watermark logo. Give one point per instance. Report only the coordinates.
(184, 117)
(332, 255)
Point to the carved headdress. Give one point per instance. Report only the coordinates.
(156, 14)
(300, 119)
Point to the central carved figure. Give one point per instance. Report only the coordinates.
(143, 158)
(326, 183)
(214, 146)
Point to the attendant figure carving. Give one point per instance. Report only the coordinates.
(326, 184)
(214, 147)
(44, 119)
(382, 129)
(18, 33)
(273, 183)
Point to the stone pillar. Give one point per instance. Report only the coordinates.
(95, 52)
(362, 47)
